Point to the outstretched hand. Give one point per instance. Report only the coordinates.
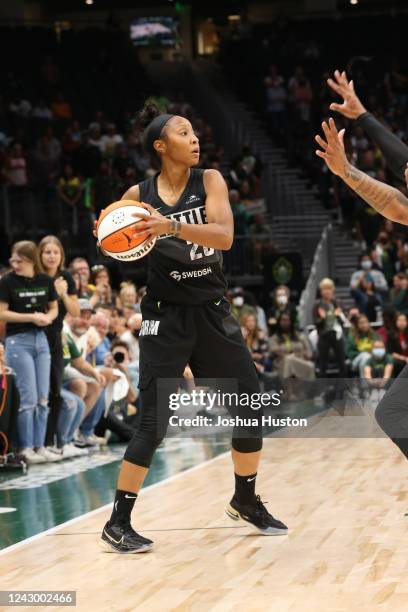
(351, 107)
(333, 151)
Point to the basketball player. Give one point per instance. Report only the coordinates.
(392, 412)
(186, 319)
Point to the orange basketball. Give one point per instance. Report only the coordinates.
(115, 231)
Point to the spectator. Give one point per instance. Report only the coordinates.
(16, 167)
(242, 219)
(280, 304)
(83, 381)
(379, 366)
(399, 293)
(329, 320)
(290, 350)
(121, 418)
(131, 336)
(369, 300)
(81, 273)
(365, 265)
(110, 141)
(387, 327)
(256, 342)
(70, 189)
(239, 308)
(28, 303)
(61, 109)
(360, 343)
(52, 260)
(100, 323)
(127, 296)
(397, 343)
(103, 294)
(276, 97)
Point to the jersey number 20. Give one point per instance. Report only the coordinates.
(196, 254)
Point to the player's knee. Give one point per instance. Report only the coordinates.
(141, 449)
(247, 445)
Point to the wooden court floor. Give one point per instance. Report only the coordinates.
(344, 501)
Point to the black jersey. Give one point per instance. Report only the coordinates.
(180, 271)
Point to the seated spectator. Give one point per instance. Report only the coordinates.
(360, 343)
(290, 350)
(397, 343)
(242, 219)
(329, 320)
(103, 294)
(81, 274)
(121, 418)
(238, 306)
(387, 327)
(100, 323)
(399, 293)
(131, 336)
(379, 366)
(84, 381)
(260, 312)
(127, 297)
(385, 255)
(365, 266)
(281, 304)
(367, 298)
(256, 341)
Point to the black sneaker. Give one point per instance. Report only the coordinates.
(123, 539)
(257, 515)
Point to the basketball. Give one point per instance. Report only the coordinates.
(115, 229)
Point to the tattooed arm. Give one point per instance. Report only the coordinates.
(385, 199)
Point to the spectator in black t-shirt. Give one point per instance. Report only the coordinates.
(28, 304)
(329, 319)
(52, 259)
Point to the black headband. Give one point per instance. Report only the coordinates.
(154, 130)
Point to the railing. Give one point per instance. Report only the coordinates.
(322, 267)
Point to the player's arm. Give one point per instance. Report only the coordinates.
(385, 199)
(217, 233)
(394, 150)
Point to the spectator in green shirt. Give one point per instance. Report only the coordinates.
(378, 368)
(360, 343)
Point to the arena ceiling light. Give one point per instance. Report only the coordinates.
(353, 1)
(89, 2)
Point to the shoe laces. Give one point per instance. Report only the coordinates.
(260, 507)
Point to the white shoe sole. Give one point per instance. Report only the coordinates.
(109, 549)
(236, 516)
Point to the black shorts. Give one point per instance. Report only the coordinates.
(207, 338)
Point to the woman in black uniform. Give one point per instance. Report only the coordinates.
(186, 319)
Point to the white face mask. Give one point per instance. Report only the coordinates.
(282, 299)
(366, 264)
(238, 301)
(378, 352)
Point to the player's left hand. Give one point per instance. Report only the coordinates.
(333, 152)
(154, 224)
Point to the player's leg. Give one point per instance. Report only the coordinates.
(392, 412)
(165, 346)
(221, 353)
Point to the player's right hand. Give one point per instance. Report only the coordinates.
(351, 107)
